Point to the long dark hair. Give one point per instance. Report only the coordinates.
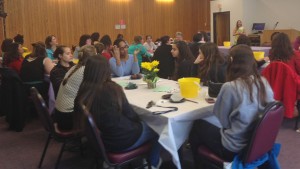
(184, 52)
(96, 79)
(39, 50)
(242, 66)
(212, 57)
(164, 39)
(95, 37)
(83, 39)
(84, 52)
(106, 40)
(281, 48)
(12, 54)
(5, 45)
(48, 41)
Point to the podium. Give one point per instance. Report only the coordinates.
(265, 38)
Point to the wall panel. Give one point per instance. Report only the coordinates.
(68, 19)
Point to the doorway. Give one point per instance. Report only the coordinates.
(221, 21)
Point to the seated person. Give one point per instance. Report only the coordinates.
(184, 60)
(64, 105)
(13, 58)
(210, 65)
(57, 74)
(149, 45)
(123, 64)
(34, 68)
(120, 126)
(138, 45)
(164, 56)
(241, 98)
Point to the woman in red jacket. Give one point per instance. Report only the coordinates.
(282, 50)
(13, 58)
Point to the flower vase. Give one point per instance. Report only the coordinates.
(151, 84)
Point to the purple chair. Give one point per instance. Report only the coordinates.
(262, 140)
(116, 160)
(64, 137)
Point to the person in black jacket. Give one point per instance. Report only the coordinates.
(57, 74)
(184, 60)
(120, 126)
(164, 56)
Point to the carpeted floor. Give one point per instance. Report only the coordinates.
(22, 150)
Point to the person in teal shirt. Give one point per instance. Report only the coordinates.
(51, 43)
(138, 44)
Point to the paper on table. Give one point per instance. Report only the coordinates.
(123, 84)
(162, 89)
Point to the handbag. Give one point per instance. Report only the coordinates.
(214, 88)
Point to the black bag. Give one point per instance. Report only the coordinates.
(214, 88)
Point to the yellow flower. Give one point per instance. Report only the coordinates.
(154, 63)
(150, 70)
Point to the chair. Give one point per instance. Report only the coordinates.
(12, 97)
(64, 137)
(262, 140)
(115, 160)
(284, 82)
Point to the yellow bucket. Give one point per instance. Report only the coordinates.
(226, 43)
(259, 55)
(189, 87)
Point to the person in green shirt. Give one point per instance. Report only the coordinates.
(138, 44)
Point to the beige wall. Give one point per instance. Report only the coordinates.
(68, 19)
(256, 11)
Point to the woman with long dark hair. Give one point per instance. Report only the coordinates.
(13, 58)
(212, 66)
(282, 50)
(120, 126)
(184, 60)
(241, 98)
(107, 51)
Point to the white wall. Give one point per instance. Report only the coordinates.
(286, 12)
(236, 12)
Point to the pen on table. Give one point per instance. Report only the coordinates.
(191, 101)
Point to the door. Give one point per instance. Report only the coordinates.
(221, 27)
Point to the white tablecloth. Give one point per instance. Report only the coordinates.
(225, 50)
(174, 127)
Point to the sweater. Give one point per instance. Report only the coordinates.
(120, 128)
(237, 113)
(127, 67)
(143, 51)
(68, 92)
